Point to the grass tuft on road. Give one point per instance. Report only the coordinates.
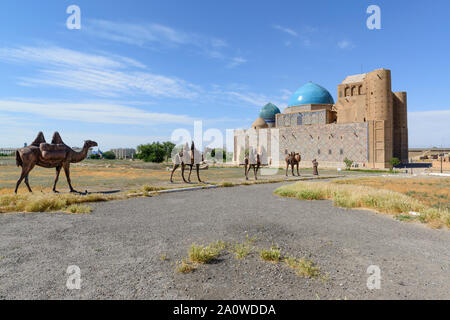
(347, 195)
(203, 254)
(272, 255)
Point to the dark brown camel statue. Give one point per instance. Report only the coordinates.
(55, 155)
(189, 158)
(293, 159)
(256, 164)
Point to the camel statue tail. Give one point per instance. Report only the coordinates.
(18, 159)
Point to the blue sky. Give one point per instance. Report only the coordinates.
(137, 70)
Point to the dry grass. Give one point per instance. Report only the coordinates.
(432, 191)
(303, 267)
(48, 202)
(272, 255)
(203, 254)
(351, 194)
(241, 250)
(78, 209)
(185, 266)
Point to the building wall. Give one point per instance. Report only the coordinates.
(330, 144)
(124, 153)
(400, 126)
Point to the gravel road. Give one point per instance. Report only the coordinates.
(118, 248)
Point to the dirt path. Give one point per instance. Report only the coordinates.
(118, 248)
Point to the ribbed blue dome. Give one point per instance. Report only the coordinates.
(311, 93)
(268, 112)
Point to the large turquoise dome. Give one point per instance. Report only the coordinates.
(268, 112)
(311, 93)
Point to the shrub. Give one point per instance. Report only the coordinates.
(394, 162)
(155, 152)
(109, 155)
(348, 163)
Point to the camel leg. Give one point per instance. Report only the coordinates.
(175, 167)
(24, 175)
(190, 171)
(28, 184)
(67, 172)
(255, 171)
(198, 172)
(246, 171)
(292, 167)
(58, 171)
(183, 166)
(298, 173)
(287, 167)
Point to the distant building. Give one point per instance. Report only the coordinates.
(8, 151)
(368, 124)
(124, 153)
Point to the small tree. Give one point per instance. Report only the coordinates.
(94, 156)
(168, 148)
(155, 152)
(109, 155)
(394, 162)
(348, 163)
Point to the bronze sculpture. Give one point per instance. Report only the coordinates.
(315, 165)
(293, 159)
(189, 158)
(55, 155)
(252, 161)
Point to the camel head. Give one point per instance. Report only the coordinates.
(90, 143)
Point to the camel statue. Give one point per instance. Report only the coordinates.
(55, 155)
(293, 159)
(187, 157)
(252, 160)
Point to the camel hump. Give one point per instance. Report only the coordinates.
(57, 138)
(39, 139)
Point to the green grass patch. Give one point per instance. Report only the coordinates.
(203, 254)
(272, 255)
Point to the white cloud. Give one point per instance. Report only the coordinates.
(60, 57)
(429, 128)
(98, 112)
(236, 62)
(285, 30)
(304, 37)
(101, 75)
(153, 33)
(345, 44)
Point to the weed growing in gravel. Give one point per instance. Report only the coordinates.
(307, 268)
(185, 266)
(202, 254)
(241, 250)
(163, 257)
(303, 267)
(220, 245)
(272, 255)
(78, 209)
